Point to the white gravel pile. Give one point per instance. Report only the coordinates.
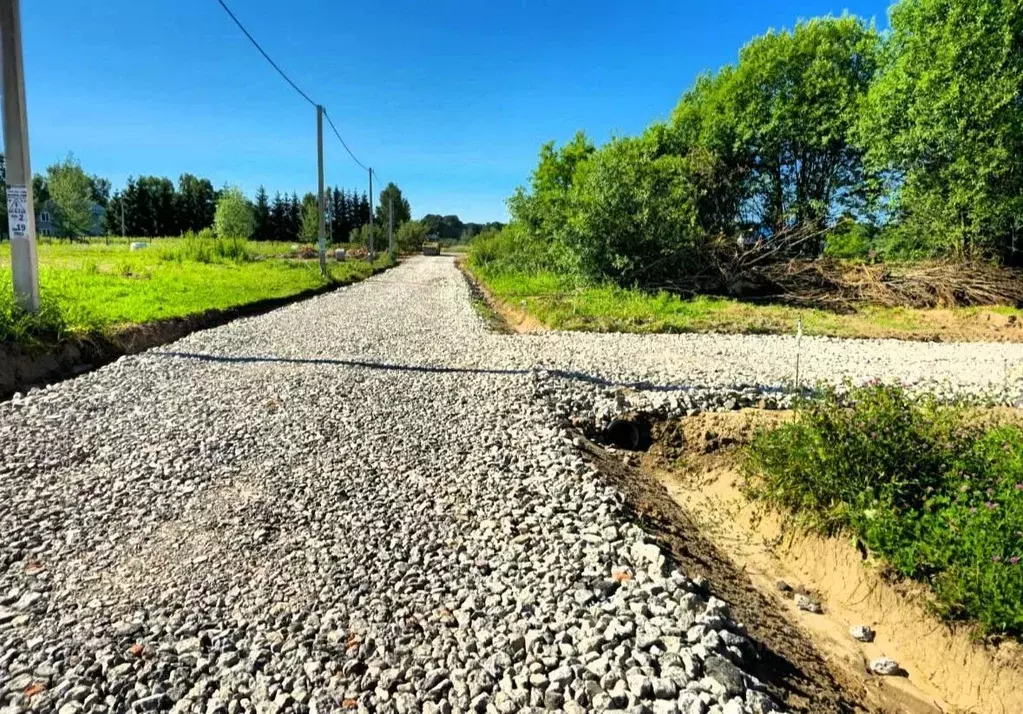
(364, 501)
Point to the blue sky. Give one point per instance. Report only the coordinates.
(450, 99)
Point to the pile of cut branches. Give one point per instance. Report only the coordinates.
(838, 285)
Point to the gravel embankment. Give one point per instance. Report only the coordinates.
(365, 501)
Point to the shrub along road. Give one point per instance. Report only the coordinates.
(366, 500)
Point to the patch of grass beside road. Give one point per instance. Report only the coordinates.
(562, 303)
(932, 489)
(91, 287)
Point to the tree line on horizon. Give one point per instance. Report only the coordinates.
(153, 206)
(451, 228)
(832, 138)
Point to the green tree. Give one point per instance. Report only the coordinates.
(402, 210)
(112, 215)
(338, 230)
(795, 97)
(234, 216)
(544, 209)
(634, 215)
(99, 190)
(278, 217)
(705, 124)
(150, 207)
(71, 193)
(40, 190)
(446, 227)
(294, 217)
(310, 229)
(410, 236)
(362, 216)
(261, 214)
(945, 119)
(360, 236)
(195, 203)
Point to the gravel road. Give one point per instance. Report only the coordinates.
(365, 500)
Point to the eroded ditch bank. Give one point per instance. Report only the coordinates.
(685, 489)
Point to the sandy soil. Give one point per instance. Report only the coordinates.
(790, 663)
(947, 668)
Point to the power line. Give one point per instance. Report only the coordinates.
(338, 135)
(293, 85)
(263, 52)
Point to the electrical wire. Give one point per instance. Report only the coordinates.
(338, 135)
(263, 52)
(293, 85)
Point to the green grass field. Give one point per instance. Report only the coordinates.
(560, 303)
(95, 286)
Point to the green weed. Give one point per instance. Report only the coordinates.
(205, 247)
(924, 485)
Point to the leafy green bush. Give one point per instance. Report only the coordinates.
(633, 217)
(851, 240)
(926, 486)
(514, 249)
(236, 249)
(410, 236)
(360, 237)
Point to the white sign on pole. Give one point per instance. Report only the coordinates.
(17, 212)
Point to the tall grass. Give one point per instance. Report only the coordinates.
(206, 247)
(90, 288)
(55, 321)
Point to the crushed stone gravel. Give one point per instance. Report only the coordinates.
(368, 501)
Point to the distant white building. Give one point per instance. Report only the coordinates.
(46, 220)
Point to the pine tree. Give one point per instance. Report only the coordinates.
(262, 215)
(364, 210)
(336, 211)
(347, 224)
(278, 217)
(294, 217)
(112, 215)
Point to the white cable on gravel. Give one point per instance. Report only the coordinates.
(365, 501)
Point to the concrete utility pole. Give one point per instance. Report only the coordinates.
(319, 200)
(390, 224)
(371, 213)
(21, 216)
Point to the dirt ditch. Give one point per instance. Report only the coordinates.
(686, 490)
(501, 316)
